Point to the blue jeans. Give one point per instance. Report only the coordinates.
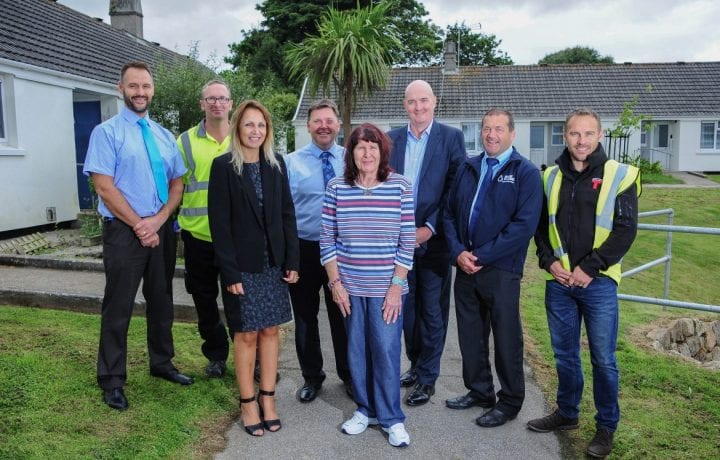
(374, 359)
(566, 308)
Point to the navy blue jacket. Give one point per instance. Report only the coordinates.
(508, 217)
(445, 151)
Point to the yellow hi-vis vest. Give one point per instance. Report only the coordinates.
(617, 177)
(198, 150)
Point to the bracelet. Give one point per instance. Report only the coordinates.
(332, 283)
(397, 280)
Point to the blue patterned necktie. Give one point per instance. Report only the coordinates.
(328, 171)
(487, 178)
(156, 162)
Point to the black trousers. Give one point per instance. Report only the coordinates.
(202, 283)
(305, 297)
(126, 263)
(490, 300)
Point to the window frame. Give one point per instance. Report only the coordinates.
(715, 133)
(476, 141)
(3, 118)
(553, 134)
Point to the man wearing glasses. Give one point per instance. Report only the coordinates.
(199, 146)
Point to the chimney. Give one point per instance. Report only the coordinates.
(450, 57)
(127, 15)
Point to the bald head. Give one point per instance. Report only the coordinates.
(419, 104)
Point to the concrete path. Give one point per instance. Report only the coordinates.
(312, 430)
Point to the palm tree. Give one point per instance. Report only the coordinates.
(352, 53)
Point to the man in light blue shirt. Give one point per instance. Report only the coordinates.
(309, 169)
(137, 171)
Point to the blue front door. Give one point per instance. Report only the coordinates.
(87, 116)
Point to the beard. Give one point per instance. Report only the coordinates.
(140, 107)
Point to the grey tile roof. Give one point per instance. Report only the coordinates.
(50, 35)
(551, 91)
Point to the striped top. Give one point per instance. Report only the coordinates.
(368, 234)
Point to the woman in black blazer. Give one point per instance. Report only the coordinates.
(252, 223)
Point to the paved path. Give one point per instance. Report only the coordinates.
(313, 430)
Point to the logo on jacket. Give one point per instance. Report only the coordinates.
(506, 179)
(597, 182)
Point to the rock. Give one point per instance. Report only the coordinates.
(661, 337)
(712, 365)
(684, 349)
(694, 345)
(716, 329)
(710, 336)
(682, 328)
(716, 353)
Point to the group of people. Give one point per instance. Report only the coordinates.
(376, 226)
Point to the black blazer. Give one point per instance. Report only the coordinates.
(239, 227)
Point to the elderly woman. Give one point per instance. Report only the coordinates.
(366, 245)
(252, 223)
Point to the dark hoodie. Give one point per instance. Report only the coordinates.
(578, 198)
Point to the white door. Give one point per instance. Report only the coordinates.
(656, 145)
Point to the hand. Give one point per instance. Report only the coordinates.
(147, 226)
(561, 275)
(393, 304)
(341, 298)
(291, 276)
(236, 289)
(422, 234)
(579, 278)
(150, 241)
(466, 262)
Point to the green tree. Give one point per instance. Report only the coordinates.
(477, 48)
(576, 55)
(289, 22)
(177, 89)
(352, 54)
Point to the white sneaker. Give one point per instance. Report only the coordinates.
(398, 437)
(358, 423)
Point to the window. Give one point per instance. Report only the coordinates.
(470, 132)
(537, 136)
(2, 110)
(556, 136)
(710, 135)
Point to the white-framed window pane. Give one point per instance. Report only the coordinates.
(707, 134)
(556, 137)
(537, 136)
(470, 131)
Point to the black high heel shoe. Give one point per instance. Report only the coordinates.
(268, 424)
(252, 429)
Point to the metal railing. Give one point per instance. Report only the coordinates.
(667, 259)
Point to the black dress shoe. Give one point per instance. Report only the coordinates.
(408, 379)
(467, 401)
(175, 377)
(115, 398)
(215, 369)
(308, 392)
(420, 395)
(494, 418)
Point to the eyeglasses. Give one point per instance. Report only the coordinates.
(212, 100)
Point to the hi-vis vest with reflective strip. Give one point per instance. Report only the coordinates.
(617, 177)
(193, 210)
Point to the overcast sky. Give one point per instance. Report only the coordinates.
(628, 30)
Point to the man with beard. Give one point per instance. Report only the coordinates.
(588, 224)
(137, 171)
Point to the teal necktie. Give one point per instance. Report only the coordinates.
(156, 162)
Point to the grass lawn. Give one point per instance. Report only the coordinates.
(669, 408)
(50, 405)
(649, 178)
(715, 177)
